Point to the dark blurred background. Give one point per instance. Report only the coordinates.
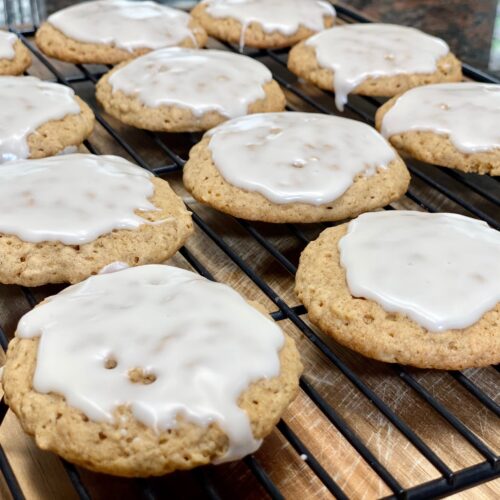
(471, 27)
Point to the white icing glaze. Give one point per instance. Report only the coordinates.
(356, 52)
(297, 157)
(283, 16)
(447, 108)
(68, 150)
(26, 103)
(113, 267)
(201, 80)
(7, 41)
(72, 198)
(124, 24)
(441, 270)
(201, 340)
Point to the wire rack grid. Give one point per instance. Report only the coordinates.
(468, 194)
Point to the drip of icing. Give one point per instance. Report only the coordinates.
(446, 108)
(272, 15)
(297, 157)
(124, 24)
(7, 41)
(441, 270)
(72, 198)
(26, 103)
(142, 319)
(359, 51)
(201, 80)
(241, 44)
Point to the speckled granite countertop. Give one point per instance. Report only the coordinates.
(469, 26)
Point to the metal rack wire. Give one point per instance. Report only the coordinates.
(473, 195)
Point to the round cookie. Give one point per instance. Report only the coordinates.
(113, 31)
(366, 327)
(123, 443)
(50, 238)
(184, 90)
(39, 119)
(373, 59)
(439, 130)
(294, 167)
(264, 24)
(14, 56)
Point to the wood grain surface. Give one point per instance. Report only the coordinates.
(41, 475)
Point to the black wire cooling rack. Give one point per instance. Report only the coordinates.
(477, 196)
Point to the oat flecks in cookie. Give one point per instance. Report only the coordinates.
(56, 136)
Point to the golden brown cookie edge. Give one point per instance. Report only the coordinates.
(54, 136)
